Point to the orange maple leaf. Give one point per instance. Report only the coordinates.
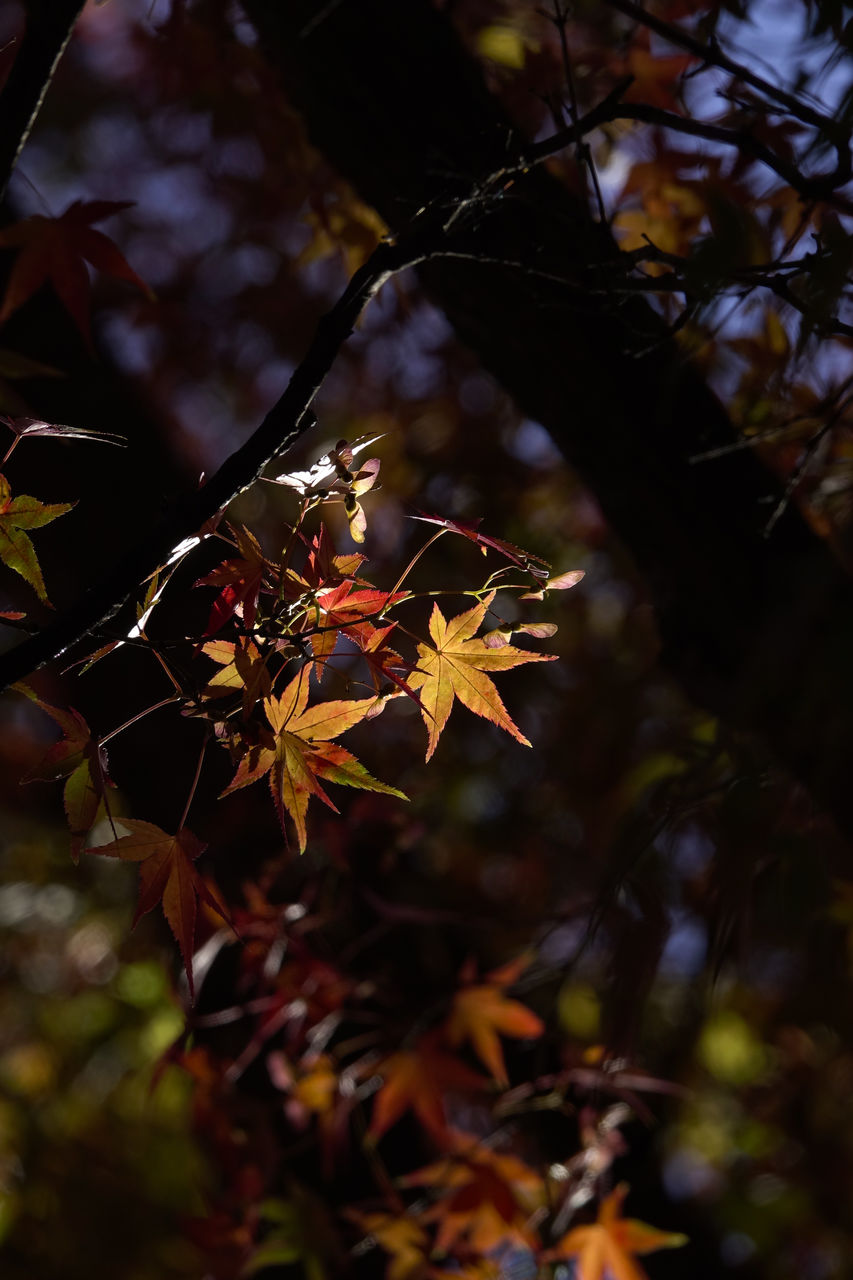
(489, 1201)
(416, 1080)
(455, 666)
(303, 753)
(57, 250)
(166, 873)
(605, 1249)
(482, 1010)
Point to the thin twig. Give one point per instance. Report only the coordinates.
(48, 31)
(195, 781)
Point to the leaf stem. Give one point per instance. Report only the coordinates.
(12, 447)
(139, 715)
(414, 560)
(195, 781)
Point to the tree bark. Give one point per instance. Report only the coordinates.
(759, 630)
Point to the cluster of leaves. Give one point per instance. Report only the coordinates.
(743, 248)
(363, 1114)
(276, 628)
(433, 1114)
(272, 630)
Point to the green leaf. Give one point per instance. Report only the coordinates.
(16, 550)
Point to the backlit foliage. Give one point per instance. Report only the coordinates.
(479, 1015)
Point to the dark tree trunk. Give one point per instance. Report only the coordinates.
(758, 630)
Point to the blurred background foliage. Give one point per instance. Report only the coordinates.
(685, 907)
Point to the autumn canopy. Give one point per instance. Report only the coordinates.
(425, 639)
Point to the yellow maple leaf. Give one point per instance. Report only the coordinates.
(303, 752)
(455, 666)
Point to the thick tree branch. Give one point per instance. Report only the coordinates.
(756, 629)
(286, 421)
(49, 27)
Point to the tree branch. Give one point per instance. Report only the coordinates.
(821, 186)
(757, 629)
(712, 55)
(286, 421)
(49, 27)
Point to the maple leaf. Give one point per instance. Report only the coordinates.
(324, 567)
(240, 578)
(471, 531)
(605, 1249)
(38, 427)
(303, 753)
(416, 1080)
(455, 666)
(82, 761)
(401, 1237)
(385, 661)
(57, 250)
(490, 1197)
(16, 549)
(242, 667)
(343, 611)
(482, 1010)
(167, 874)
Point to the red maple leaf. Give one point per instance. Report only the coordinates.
(57, 250)
(240, 579)
(471, 531)
(167, 874)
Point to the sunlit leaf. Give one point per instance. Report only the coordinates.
(302, 753)
(16, 550)
(455, 666)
